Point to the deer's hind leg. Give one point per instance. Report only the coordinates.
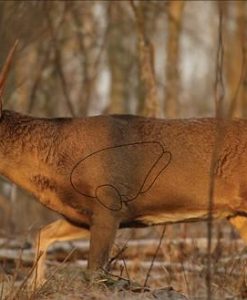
(240, 223)
(60, 230)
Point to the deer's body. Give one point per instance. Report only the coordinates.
(108, 172)
(71, 165)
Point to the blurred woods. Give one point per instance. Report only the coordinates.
(156, 58)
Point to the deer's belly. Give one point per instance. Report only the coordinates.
(177, 217)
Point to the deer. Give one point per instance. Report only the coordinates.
(107, 172)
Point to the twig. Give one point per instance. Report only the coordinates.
(185, 278)
(117, 255)
(125, 267)
(154, 257)
(114, 275)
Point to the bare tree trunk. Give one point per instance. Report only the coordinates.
(242, 25)
(117, 60)
(146, 65)
(86, 26)
(2, 31)
(235, 63)
(175, 13)
(24, 74)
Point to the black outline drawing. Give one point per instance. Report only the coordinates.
(124, 198)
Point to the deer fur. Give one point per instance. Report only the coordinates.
(108, 172)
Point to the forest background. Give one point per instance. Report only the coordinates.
(152, 58)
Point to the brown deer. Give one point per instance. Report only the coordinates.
(108, 172)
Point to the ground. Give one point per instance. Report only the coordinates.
(181, 263)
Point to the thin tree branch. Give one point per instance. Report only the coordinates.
(219, 135)
(154, 256)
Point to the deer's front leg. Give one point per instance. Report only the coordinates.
(60, 230)
(104, 226)
(103, 232)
